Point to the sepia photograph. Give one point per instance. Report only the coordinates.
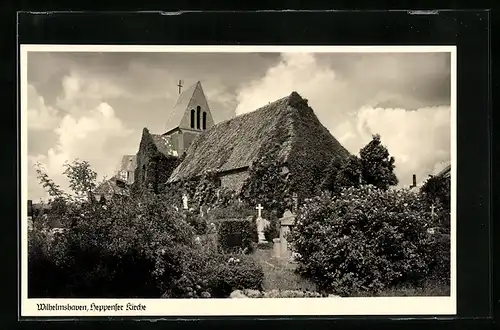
(238, 180)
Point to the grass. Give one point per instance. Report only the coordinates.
(428, 289)
(280, 274)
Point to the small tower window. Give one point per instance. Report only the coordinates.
(198, 110)
(192, 118)
(204, 120)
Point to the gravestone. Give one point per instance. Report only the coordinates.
(185, 201)
(261, 224)
(286, 222)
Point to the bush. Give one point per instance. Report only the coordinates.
(237, 235)
(121, 249)
(367, 239)
(440, 265)
(197, 222)
(271, 231)
(232, 210)
(209, 273)
(138, 247)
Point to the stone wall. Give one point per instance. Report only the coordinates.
(233, 181)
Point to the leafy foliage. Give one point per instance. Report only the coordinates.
(233, 210)
(205, 192)
(366, 239)
(272, 231)
(237, 235)
(122, 248)
(436, 191)
(350, 173)
(374, 167)
(377, 165)
(268, 185)
(153, 167)
(209, 273)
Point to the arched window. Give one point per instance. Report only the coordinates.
(204, 120)
(192, 118)
(198, 110)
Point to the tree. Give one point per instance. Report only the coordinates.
(377, 165)
(330, 176)
(350, 174)
(436, 191)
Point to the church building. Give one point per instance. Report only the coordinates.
(189, 117)
(159, 154)
(286, 131)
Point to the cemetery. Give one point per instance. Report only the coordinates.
(249, 207)
(354, 237)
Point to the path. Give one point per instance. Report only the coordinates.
(280, 274)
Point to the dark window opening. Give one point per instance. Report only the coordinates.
(198, 110)
(204, 120)
(192, 118)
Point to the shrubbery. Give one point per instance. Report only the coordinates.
(237, 235)
(366, 239)
(122, 249)
(125, 248)
(209, 273)
(272, 230)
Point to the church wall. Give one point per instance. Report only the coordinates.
(233, 181)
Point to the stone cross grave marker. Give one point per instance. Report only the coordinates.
(185, 201)
(261, 224)
(259, 208)
(432, 210)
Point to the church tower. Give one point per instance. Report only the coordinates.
(190, 117)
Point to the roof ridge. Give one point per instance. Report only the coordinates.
(253, 111)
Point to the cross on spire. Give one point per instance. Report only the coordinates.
(180, 86)
(259, 208)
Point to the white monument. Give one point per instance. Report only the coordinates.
(185, 201)
(261, 224)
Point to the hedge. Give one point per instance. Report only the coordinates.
(209, 273)
(366, 239)
(237, 234)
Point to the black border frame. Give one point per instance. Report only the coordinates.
(468, 30)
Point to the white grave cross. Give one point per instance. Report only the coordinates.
(432, 210)
(259, 208)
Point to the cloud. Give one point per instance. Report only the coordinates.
(40, 116)
(89, 131)
(372, 93)
(418, 139)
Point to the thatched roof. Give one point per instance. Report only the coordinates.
(238, 142)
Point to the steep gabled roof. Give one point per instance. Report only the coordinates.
(238, 142)
(192, 94)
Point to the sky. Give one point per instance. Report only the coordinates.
(93, 106)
